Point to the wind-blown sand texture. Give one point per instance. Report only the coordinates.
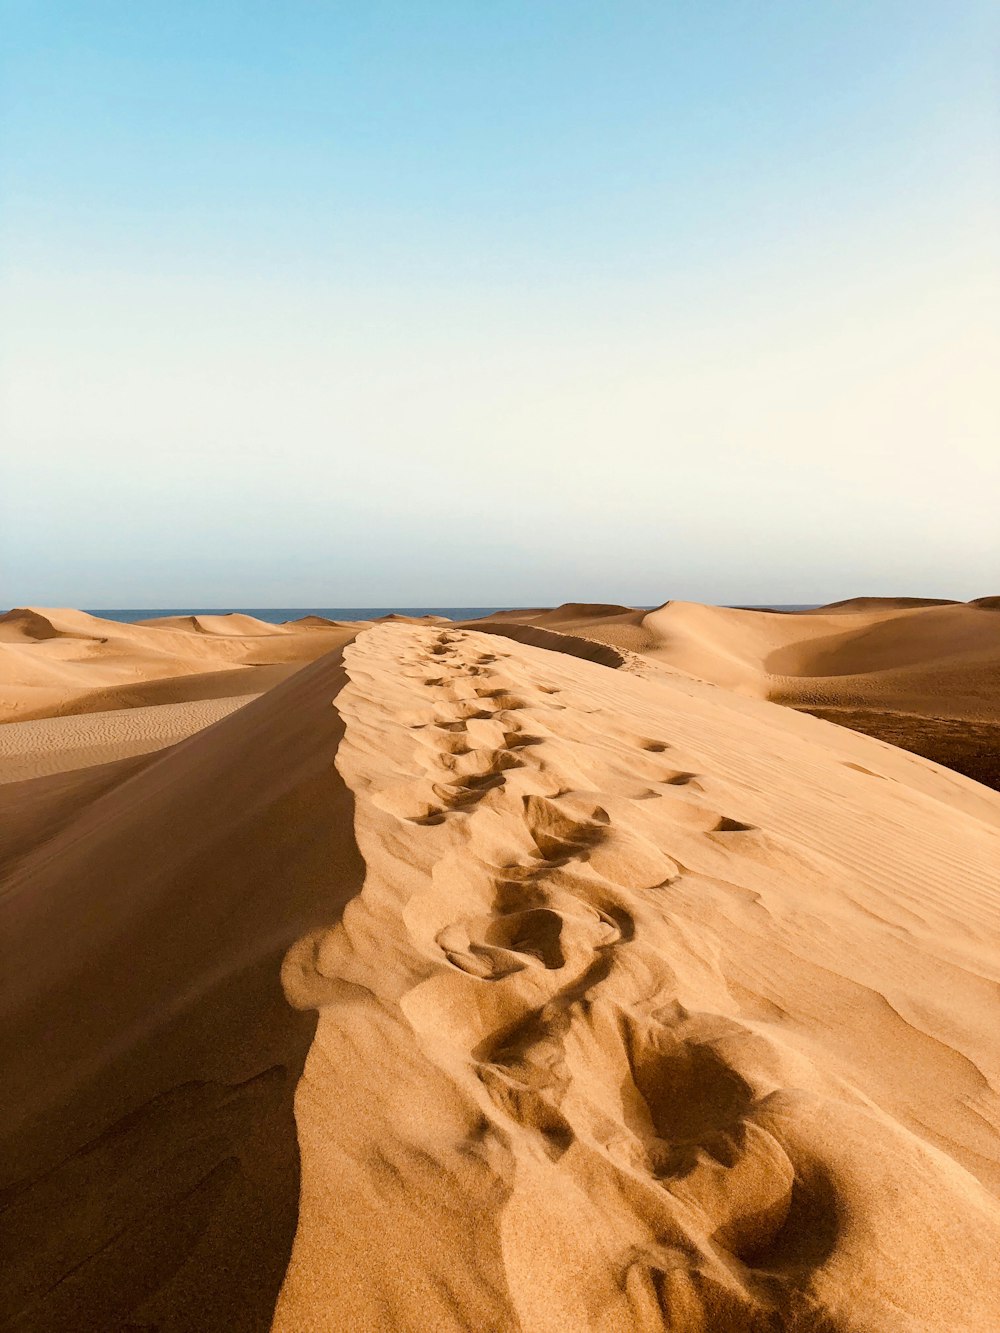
(611, 998)
(56, 662)
(922, 674)
(76, 690)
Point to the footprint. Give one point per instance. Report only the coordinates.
(558, 835)
(502, 698)
(727, 825)
(705, 1147)
(483, 961)
(521, 740)
(535, 931)
(694, 1099)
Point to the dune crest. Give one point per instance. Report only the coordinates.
(647, 1016)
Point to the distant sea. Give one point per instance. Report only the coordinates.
(275, 615)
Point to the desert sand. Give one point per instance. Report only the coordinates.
(546, 975)
(920, 673)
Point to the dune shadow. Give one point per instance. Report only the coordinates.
(149, 1168)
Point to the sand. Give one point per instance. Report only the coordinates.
(60, 662)
(611, 994)
(60, 744)
(921, 673)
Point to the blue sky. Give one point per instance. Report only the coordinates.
(457, 303)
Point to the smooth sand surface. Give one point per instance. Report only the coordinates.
(612, 994)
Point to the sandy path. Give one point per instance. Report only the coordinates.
(660, 1008)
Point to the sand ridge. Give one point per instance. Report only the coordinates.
(909, 654)
(921, 673)
(577, 1064)
(56, 662)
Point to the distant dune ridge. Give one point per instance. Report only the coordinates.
(541, 974)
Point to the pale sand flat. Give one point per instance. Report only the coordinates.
(60, 744)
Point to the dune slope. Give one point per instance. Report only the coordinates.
(920, 673)
(659, 1008)
(148, 1156)
(61, 662)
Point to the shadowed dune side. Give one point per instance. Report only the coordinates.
(590, 650)
(148, 1157)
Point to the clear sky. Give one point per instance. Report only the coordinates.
(441, 302)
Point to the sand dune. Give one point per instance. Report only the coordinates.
(149, 1055)
(233, 624)
(646, 1016)
(59, 662)
(922, 673)
(854, 605)
(653, 1004)
(910, 653)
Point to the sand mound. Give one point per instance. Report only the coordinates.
(315, 622)
(149, 1056)
(660, 1008)
(920, 673)
(912, 654)
(575, 612)
(54, 663)
(860, 605)
(25, 623)
(232, 623)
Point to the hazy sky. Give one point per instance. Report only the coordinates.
(432, 302)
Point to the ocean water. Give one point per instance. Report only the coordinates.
(275, 615)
